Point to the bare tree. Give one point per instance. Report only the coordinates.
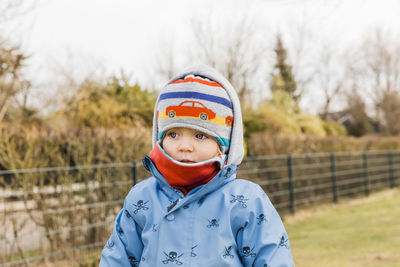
(300, 40)
(12, 59)
(67, 73)
(329, 77)
(166, 62)
(11, 62)
(237, 48)
(380, 72)
(11, 9)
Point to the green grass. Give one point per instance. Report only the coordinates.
(360, 232)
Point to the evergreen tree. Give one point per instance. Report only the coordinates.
(282, 76)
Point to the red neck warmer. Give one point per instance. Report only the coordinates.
(184, 177)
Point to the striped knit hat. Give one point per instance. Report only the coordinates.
(196, 102)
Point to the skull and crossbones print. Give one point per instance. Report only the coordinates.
(173, 257)
(133, 261)
(110, 244)
(140, 205)
(284, 242)
(261, 218)
(247, 252)
(240, 199)
(213, 223)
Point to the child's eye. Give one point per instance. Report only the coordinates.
(172, 134)
(201, 136)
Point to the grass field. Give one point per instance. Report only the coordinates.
(358, 232)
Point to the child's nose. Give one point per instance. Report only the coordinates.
(186, 145)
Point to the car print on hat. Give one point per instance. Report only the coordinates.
(229, 121)
(190, 109)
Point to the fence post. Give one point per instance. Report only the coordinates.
(291, 186)
(134, 172)
(391, 172)
(366, 182)
(333, 176)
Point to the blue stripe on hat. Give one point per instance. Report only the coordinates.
(160, 135)
(196, 95)
(223, 141)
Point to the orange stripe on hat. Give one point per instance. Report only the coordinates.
(195, 80)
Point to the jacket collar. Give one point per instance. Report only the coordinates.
(225, 175)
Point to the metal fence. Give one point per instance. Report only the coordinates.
(67, 213)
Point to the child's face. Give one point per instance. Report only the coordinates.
(189, 146)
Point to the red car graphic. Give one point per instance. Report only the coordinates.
(190, 109)
(229, 121)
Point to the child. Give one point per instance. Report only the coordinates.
(193, 211)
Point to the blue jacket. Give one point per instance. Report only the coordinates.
(226, 222)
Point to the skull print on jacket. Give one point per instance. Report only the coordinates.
(225, 222)
(237, 238)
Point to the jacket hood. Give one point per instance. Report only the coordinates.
(236, 149)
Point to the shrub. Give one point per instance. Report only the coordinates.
(265, 144)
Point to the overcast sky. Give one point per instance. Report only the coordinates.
(126, 34)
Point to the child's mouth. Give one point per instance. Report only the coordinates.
(187, 161)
